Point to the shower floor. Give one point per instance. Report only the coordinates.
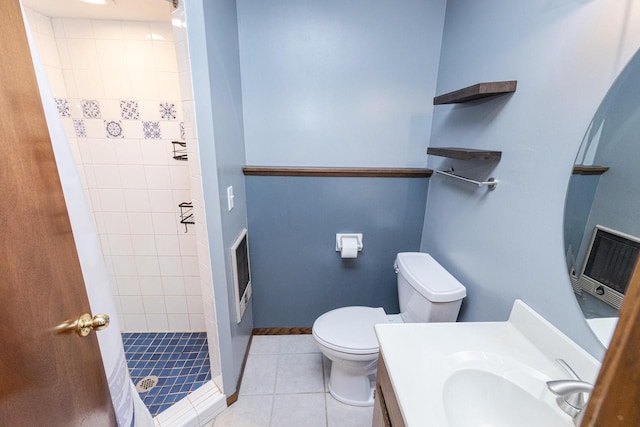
(180, 360)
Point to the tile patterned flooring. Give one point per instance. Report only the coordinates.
(179, 360)
(284, 385)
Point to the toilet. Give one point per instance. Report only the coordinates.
(426, 292)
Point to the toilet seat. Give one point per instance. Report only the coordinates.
(350, 329)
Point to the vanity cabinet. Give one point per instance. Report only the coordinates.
(386, 411)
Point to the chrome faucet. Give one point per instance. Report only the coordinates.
(571, 393)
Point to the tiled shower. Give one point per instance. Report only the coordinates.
(117, 89)
(117, 92)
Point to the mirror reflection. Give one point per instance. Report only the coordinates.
(601, 226)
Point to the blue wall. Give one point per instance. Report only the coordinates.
(339, 83)
(297, 273)
(508, 244)
(218, 101)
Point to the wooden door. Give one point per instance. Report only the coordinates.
(48, 376)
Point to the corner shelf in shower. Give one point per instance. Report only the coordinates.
(179, 150)
(477, 91)
(186, 214)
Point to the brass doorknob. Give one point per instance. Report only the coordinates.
(85, 323)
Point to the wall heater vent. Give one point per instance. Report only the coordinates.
(241, 273)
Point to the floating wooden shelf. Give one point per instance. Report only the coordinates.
(337, 172)
(478, 91)
(589, 170)
(464, 153)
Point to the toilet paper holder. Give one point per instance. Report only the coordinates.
(340, 236)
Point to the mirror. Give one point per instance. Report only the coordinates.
(601, 225)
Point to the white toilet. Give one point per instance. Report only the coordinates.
(426, 292)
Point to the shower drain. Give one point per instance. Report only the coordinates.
(147, 383)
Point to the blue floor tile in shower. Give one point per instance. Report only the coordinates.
(180, 360)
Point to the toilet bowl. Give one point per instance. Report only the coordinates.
(346, 335)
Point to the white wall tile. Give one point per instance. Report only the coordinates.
(165, 223)
(192, 285)
(151, 285)
(176, 304)
(139, 55)
(117, 84)
(196, 322)
(116, 223)
(70, 83)
(120, 244)
(170, 265)
(190, 266)
(110, 109)
(83, 53)
(136, 200)
(131, 304)
(132, 130)
(158, 177)
(174, 285)
(48, 49)
(163, 29)
(128, 151)
(179, 322)
(154, 304)
(56, 81)
(102, 151)
(89, 83)
(111, 54)
(187, 244)
(156, 152)
(111, 200)
(107, 176)
(58, 27)
(168, 84)
(180, 177)
(171, 130)
(144, 244)
(158, 322)
(168, 245)
(77, 28)
(147, 265)
(124, 265)
(106, 29)
(144, 86)
(44, 24)
(132, 176)
(135, 322)
(140, 223)
(161, 201)
(94, 128)
(194, 304)
(164, 56)
(128, 285)
(135, 30)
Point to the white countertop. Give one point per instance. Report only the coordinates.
(421, 356)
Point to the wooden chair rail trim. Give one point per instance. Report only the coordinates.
(337, 172)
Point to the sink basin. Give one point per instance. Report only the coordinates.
(481, 374)
(473, 397)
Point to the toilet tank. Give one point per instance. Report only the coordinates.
(426, 291)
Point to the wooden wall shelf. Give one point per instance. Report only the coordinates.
(477, 91)
(464, 153)
(589, 170)
(337, 172)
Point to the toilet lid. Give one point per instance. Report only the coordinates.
(350, 329)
